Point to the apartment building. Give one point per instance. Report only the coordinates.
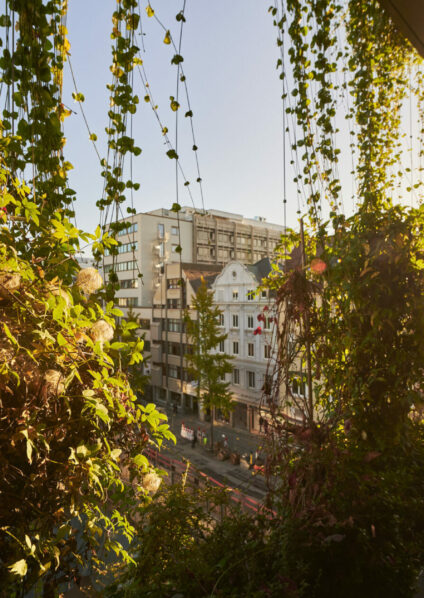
(169, 379)
(154, 239)
(250, 338)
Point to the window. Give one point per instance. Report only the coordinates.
(264, 294)
(121, 266)
(235, 294)
(267, 323)
(221, 347)
(174, 230)
(235, 347)
(128, 301)
(174, 325)
(235, 321)
(125, 248)
(267, 352)
(236, 376)
(173, 371)
(161, 249)
(251, 382)
(268, 383)
(173, 283)
(220, 319)
(173, 303)
(250, 321)
(250, 349)
(298, 384)
(250, 295)
(129, 283)
(127, 231)
(161, 231)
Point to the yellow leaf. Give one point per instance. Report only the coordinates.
(150, 11)
(19, 568)
(167, 38)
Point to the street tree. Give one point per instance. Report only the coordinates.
(206, 366)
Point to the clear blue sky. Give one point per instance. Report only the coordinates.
(230, 53)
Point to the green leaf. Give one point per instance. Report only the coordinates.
(61, 340)
(9, 334)
(141, 461)
(177, 59)
(172, 154)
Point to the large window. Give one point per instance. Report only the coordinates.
(236, 376)
(220, 319)
(128, 301)
(129, 283)
(161, 231)
(250, 321)
(125, 248)
(235, 321)
(250, 349)
(235, 294)
(267, 351)
(174, 325)
(221, 347)
(121, 266)
(173, 303)
(235, 347)
(127, 231)
(250, 295)
(251, 379)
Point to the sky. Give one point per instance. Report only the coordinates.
(230, 54)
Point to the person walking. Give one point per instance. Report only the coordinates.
(194, 440)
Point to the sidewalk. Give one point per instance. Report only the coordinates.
(234, 476)
(241, 441)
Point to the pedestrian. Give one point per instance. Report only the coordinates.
(194, 440)
(250, 460)
(266, 426)
(261, 423)
(205, 440)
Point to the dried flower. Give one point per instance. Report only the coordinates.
(101, 331)
(89, 280)
(59, 292)
(9, 281)
(52, 384)
(258, 330)
(151, 482)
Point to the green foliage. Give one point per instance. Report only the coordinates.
(198, 555)
(350, 482)
(70, 422)
(206, 366)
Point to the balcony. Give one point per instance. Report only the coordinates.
(156, 331)
(156, 376)
(156, 351)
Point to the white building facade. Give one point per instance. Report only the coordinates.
(249, 341)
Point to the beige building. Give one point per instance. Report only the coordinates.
(213, 237)
(169, 379)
